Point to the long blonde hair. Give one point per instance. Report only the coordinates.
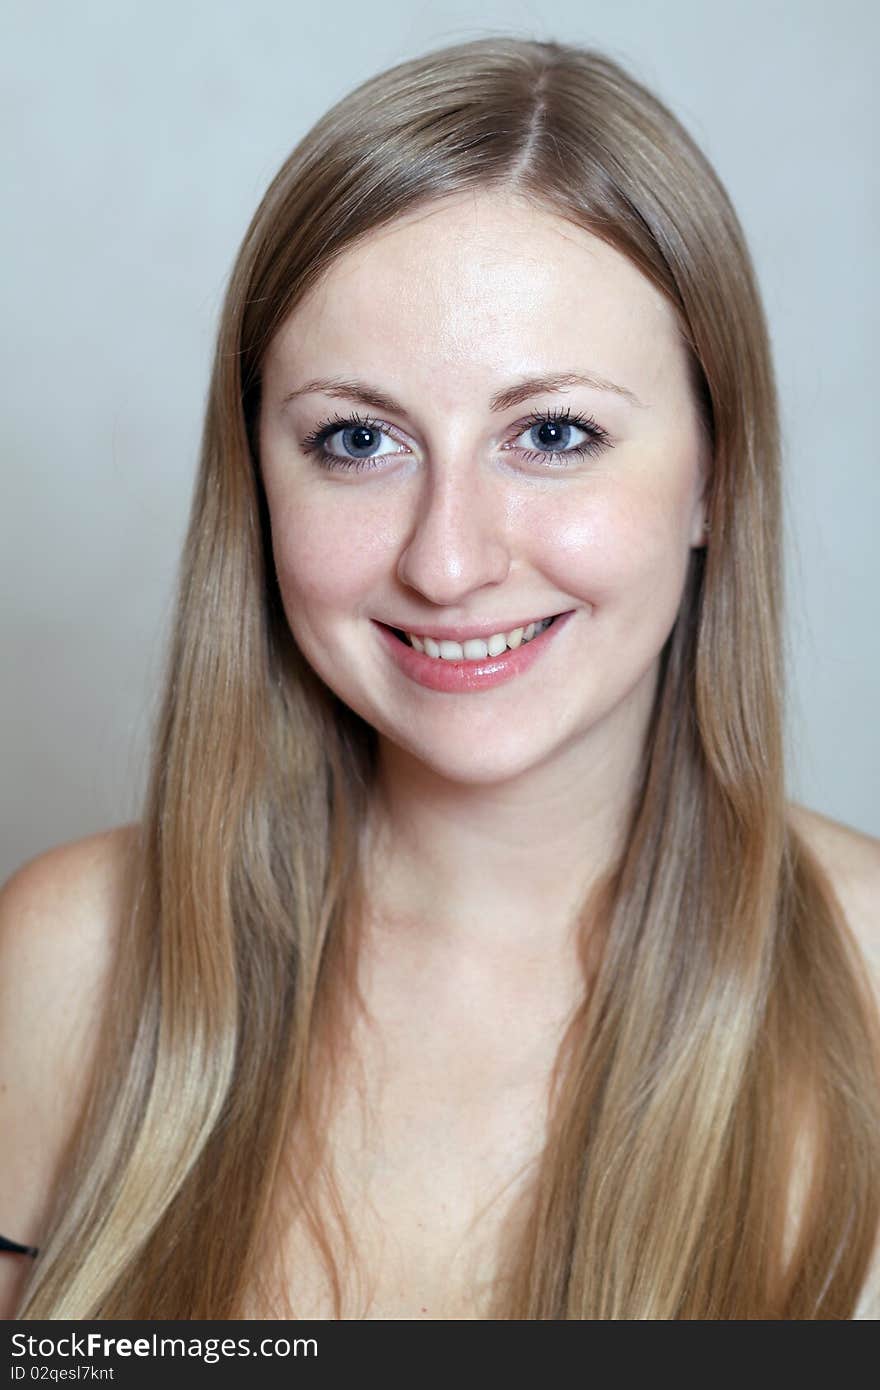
(726, 1017)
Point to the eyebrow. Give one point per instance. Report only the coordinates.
(522, 390)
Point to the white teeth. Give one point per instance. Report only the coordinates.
(477, 648)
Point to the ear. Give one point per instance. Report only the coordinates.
(702, 502)
(699, 527)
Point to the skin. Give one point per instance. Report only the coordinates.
(497, 808)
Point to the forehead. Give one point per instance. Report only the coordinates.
(481, 285)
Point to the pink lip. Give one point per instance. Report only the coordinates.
(459, 677)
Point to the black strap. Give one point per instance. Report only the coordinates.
(14, 1249)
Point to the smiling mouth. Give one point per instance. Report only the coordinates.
(475, 649)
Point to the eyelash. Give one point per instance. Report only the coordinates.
(596, 441)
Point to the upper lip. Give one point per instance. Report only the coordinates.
(462, 634)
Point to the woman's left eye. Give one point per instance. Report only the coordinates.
(551, 434)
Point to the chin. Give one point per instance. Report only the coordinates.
(473, 762)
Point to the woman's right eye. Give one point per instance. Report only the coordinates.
(351, 433)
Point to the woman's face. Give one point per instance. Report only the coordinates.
(470, 509)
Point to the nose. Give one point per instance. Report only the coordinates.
(458, 540)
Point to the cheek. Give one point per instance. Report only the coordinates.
(619, 550)
(323, 554)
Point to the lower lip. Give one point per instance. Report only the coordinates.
(460, 677)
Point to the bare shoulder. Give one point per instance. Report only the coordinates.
(851, 859)
(58, 917)
(78, 874)
(57, 914)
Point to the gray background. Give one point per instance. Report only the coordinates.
(139, 139)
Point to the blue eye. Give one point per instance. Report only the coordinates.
(554, 431)
(356, 432)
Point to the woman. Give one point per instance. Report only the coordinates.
(495, 979)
